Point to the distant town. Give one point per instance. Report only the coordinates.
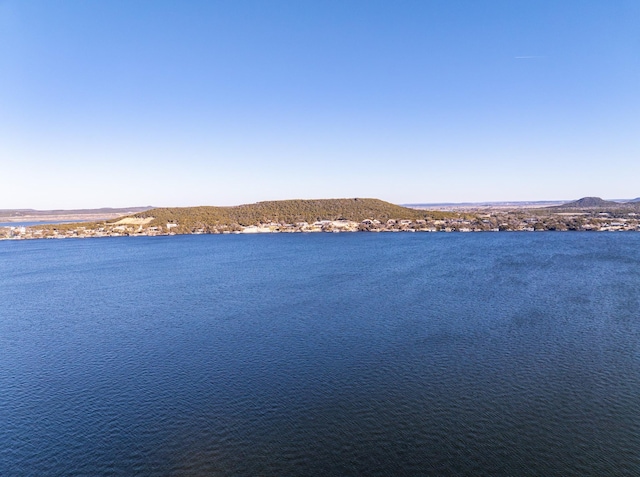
(335, 216)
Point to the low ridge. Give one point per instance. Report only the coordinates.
(285, 211)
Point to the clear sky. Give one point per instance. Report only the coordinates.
(119, 103)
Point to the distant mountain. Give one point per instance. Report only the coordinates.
(286, 211)
(104, 210)
(505, 205)
(590, 203)
(637, 199)
(14, 215)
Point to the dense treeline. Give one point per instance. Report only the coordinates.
(288, 211)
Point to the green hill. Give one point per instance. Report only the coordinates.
(596, 204)
(589, 202)
(286, 211)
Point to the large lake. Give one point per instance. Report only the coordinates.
(321, 354)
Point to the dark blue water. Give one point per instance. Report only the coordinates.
(321, 354)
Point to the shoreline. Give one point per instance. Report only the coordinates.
(24, 237)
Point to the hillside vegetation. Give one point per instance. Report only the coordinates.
(589, 202)
(343, 215)
(596, 204)
(287, 211)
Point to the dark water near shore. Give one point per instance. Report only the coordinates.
(321, 354)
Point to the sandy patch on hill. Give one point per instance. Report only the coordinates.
(133, 221)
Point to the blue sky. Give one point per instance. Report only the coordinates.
(178, 103)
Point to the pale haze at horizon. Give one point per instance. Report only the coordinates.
(119, 103)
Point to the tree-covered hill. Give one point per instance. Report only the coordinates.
(286, 211)
(589, 202)
(596, 204)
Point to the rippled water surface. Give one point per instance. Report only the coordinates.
(321, 354)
